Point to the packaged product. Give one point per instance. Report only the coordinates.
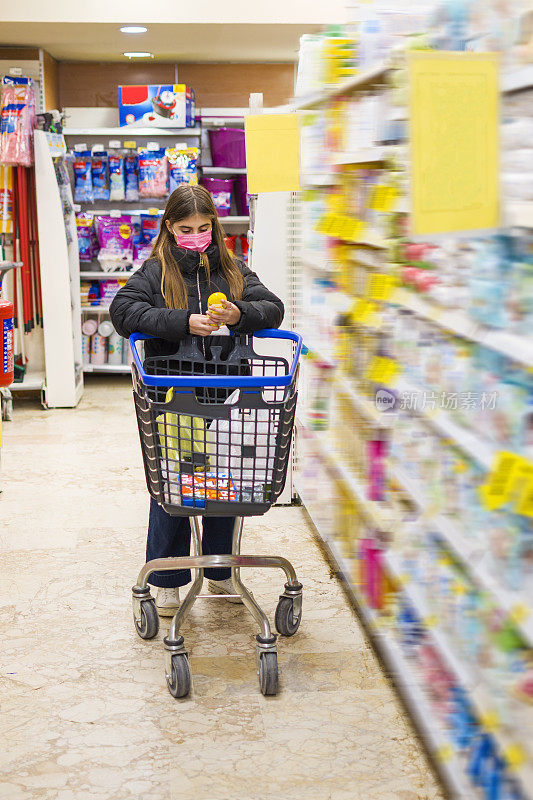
(182, 166)
(131, 177)
(143, 244)
(100, 173)
(116, 177)
(87, 239)
(17, 121)
(115, 238)
(153, 173)
(83, 183)
(108, 290)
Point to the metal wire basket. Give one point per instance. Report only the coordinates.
(216, 427)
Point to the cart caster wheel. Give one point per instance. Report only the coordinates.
(268, 673)
(287, 623)
(179, 681)
(148, 626)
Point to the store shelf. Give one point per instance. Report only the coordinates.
(519, 213)
(367, 155)
(131, 132)
(471, 682)
(234, 220)
(117, 368)
(477, 448)
(104, 276)
(316, 262)
(363, 405)
(222, 170)
(518, 79)
(436, 739)
(95, 309)
(470, 554)
(376, 74)
(375, 513)
(519, 348)
(316, 179)
(33, 382)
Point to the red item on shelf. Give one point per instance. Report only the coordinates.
(7, 361)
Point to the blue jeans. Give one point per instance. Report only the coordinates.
(171, 536)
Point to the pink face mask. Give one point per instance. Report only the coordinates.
(194, 241)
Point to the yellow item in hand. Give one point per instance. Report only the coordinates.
(214, 302)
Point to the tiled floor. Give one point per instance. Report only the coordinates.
(84, 709)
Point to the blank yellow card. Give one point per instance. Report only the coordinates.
(454, 141)
(273, 153)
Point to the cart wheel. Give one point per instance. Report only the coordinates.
(268, 673)
(148, 625)
(286, 622)
(179, 682)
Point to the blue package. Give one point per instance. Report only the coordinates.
(131, 175)
(116, 177)
(100, 173)
(83, 182)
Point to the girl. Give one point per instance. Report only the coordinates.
(167, 298)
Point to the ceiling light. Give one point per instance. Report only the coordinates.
(133, 29)
(140, 54)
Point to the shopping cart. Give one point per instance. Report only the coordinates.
(216, 429)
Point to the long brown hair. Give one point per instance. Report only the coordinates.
(184, 202)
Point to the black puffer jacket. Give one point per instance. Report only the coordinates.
(139, 307)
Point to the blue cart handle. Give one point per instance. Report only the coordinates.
(222, 381)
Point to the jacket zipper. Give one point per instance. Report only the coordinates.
(200, 301)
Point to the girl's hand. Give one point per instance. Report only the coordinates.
(229, 314)
(201, 325)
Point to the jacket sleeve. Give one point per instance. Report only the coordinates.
(133, 310)
(259, 307)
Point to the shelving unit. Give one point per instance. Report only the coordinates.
(387, 522)
(131, 132)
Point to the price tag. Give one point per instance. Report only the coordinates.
(130, 145)
(445, 753)
(380, 286)
(524, 503)
(383, 370)
(490, 721)
(519, 613)
(152, 211)
(383, 197)
(514, 755)
(362, 310)
(496, 492)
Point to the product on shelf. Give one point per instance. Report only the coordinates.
(153, 173)
(182, 166)
(242, 198)
(17, 121)
(228, 147)
(131, 177)
(160, 106)
(221, 191)
(83, 182)
(114, 348)
(100, 175)
(87, 238)
(149, 229)
(115, 237)
(116, 177)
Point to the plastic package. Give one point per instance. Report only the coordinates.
(17, 121)
(87, 239)
(100, 175)
(131, 177)
(182, 167)
(149, 229)
(116, 177)
(83, 181)
(115, 236)
(153, 173)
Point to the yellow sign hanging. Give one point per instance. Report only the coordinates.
(454, 119)
(273, 152)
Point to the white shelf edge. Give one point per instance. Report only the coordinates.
(518, 79)
(467, 554)
(209, 170)
(405, 679)
(519, 213)
(112, 368)
(349, 85)
(103, 276)
(33, 382)
(95, 309)
(312, 261)
(366, 155)
(513, 345)
(129, 132)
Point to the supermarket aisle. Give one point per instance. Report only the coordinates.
(90, 696)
